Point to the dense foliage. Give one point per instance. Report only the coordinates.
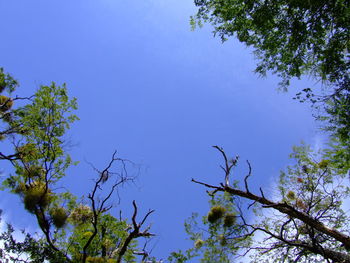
(291, 38)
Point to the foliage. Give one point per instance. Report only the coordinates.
(214, 240)
(31, 249)
(72, 231)
(338, 123)
(290, 38)
(7, 82)
(305, 221)
(308, 222)
(111, 235)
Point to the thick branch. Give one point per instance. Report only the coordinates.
(287, 209)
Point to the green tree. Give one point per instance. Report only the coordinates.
(72, 231)
(303, 221)
(218, 236)
(292, 39)
(8, 127)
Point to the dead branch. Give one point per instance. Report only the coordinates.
(318, 232)
(136, 231)
(99, 206)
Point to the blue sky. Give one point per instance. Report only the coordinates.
(158, 93)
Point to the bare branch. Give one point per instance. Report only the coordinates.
(135, 233)
(246, 178)
(319, 233)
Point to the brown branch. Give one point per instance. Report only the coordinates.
(287, 209)
(135, 233)
(248, 175)
(11, 157)
(228, 164)
(99, 207)
(335, 256)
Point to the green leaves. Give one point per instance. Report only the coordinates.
(7, 82)
(46, 121)
(292, 39)
(71, 231)
(217, 237)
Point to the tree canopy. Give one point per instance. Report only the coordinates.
(304, 219)
(290, 38)
(73, 230)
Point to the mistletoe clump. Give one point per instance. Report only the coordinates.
(59, 216)
(215, 213)
(229, 220)
(6, 103)
(36, 195)
(291, 195)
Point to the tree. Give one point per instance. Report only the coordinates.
(72, 231)
(7, 114)
(216, 237)
(292, 39)
(307, 221)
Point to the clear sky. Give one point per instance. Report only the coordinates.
(158, 93)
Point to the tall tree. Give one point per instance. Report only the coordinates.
(302, 220)
(72, 231)
(292, 39)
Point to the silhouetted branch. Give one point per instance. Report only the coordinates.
(136, 232)
(318, 231)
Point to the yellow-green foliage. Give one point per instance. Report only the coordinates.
(81, 214)
(223, 240)
(20, 188)
(107, 243)
(100, 260)
(34, 171)
(7, 116)
(28, 152)
(291, 195)
(323, 164)
(229, 220)
(198, 243)
(35, 195)
(5, 103)
(87, 234)
(2, 137)
(59, 216)
(215, 213)
(24, 131)
(95, 260)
